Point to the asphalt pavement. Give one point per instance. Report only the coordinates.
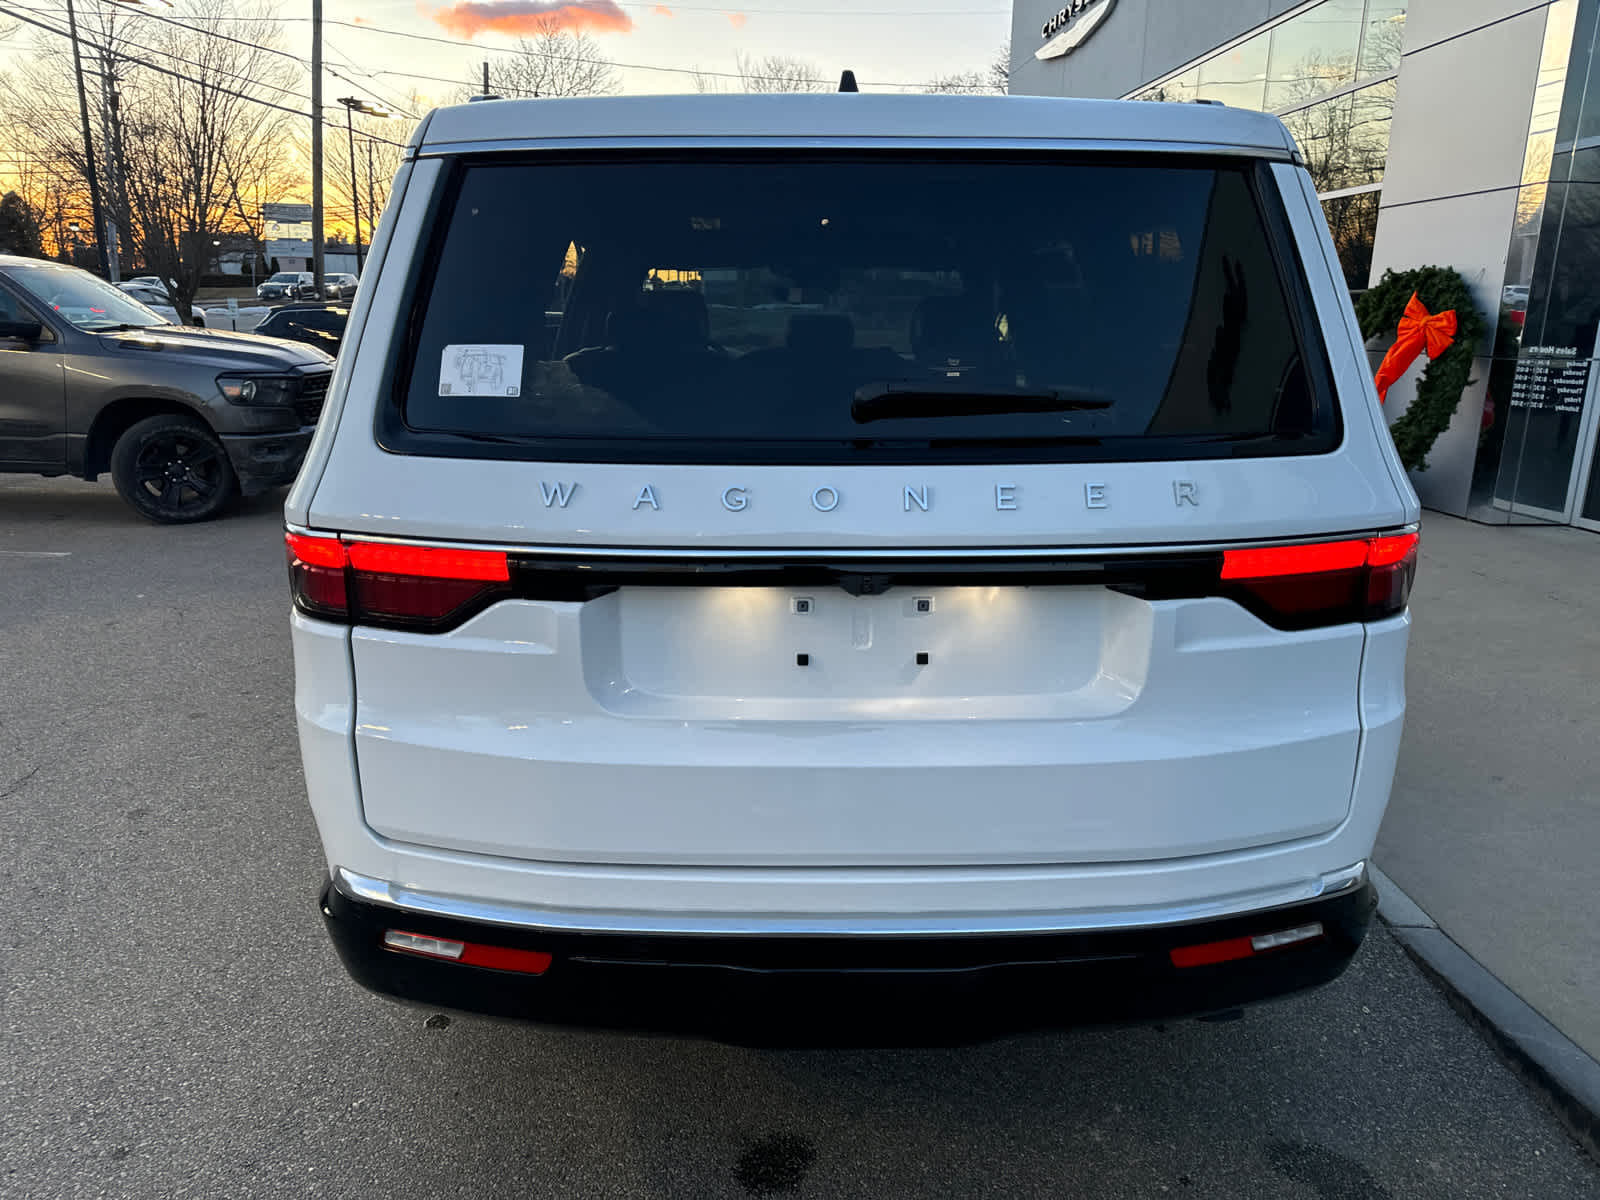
(175, 1025)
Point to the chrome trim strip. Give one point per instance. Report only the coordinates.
(799, 143)
(724, 553)
(494, 912)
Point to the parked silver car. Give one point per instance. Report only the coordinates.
(340, 286)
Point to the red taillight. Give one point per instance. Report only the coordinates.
(380, 583)
(1323, 583)
(430, 562)
(317, 575)
(1274, 561)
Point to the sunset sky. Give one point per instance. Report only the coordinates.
(883, 41)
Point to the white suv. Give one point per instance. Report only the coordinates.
(892, 553)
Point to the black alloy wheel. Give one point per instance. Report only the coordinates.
(173, 470)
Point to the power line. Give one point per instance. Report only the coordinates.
(645, 5)
(212, 33)
(153, 67)
(372, 81)
(129, 58)
(114, 53)
(476, 48)
(479, 49)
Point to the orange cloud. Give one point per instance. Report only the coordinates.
(468, 18)
(737, 20)
(359, 21)
(661, 10)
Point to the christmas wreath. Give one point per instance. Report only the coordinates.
(1429, 309)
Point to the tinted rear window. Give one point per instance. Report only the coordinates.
(857, 309)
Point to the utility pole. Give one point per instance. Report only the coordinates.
(486, 78)
(316, 146)
(88, 143)
(355, 196)
(107, 142)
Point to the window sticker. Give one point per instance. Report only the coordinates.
(481, 371)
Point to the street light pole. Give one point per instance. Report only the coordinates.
(316, 146)
(372, 207)
(353, 105)
(355, 198)
(88, 143)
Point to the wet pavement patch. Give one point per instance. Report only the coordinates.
(1332, 1176)
(773, 1164)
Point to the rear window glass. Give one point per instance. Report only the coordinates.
(851, 309)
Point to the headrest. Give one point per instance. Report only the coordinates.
(663, 318)
(821, 333)
(945, 325)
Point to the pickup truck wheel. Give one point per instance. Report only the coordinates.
(173, 470)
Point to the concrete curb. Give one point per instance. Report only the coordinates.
(1566, 1076)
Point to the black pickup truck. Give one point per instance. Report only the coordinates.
(183, 419)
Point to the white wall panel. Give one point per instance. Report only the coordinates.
(1430, 21)
(1470, 233)
(1461, 114)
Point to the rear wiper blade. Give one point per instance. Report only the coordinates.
(883, 401)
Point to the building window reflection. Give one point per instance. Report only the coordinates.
(1314, 53)
(1329, 73)
(1353, 222)
(1236, 77)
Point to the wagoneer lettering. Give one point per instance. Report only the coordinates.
(981, 654)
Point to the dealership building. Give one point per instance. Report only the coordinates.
(1462, 133)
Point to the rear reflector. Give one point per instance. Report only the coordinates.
(425, 588)
(1231, 949)
(470, 954)
(1207, 953)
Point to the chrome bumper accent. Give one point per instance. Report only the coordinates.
(497, 912)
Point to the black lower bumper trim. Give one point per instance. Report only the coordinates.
(839, 990)
(266, 460)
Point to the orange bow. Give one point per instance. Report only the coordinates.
(1418, 328)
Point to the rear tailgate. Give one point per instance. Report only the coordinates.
(721, 726)
(916, 698)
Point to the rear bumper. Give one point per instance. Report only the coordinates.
(266, 460)
(925, 989)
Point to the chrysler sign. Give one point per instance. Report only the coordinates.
(1066, 31)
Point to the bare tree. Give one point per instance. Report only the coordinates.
(962, 83)
(197, 136)
(186, 121)
(992, 79)
(999, 69)
(778, 73)
(553, 62)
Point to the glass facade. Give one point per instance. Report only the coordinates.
(1329, 72)
(1537, 441)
